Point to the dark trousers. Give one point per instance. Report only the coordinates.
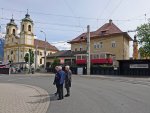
(60, 91)
(57, 87)
(68, 90)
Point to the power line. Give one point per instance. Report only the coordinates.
(118, 5)
(56, 29)
(107, 4)
(67, 16)
(38, 22)
(73, 13)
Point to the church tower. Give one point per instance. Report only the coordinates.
(10, 40)
(11, 32)
(26, 33)
(135, 48)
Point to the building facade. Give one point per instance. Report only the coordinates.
(108, 38)
(18, 44)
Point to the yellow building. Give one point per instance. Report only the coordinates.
(108, 38)
(17, 45)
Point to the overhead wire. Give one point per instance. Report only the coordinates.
(72, 11)
(67, 16)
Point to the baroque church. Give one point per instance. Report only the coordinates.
(17, 45)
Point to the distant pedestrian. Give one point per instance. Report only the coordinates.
(68, 78)
(56, 80)
(61, 78)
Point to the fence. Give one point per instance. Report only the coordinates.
(4, 70)
(126, 68)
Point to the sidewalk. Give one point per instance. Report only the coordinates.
(19, 98)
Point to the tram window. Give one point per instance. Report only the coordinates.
(78, 57)
(102, 55)
(83, 57)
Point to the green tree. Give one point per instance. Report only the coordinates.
(143, 34)
(26, 58)
(56, 62)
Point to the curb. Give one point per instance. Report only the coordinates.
(41, 92)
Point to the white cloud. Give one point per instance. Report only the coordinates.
(62, 45)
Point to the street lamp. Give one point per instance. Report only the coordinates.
(45, 50)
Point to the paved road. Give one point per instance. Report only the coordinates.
(94, 95)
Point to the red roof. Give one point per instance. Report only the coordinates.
(41, 44)
(106, 30)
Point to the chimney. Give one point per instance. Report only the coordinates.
(110, 21)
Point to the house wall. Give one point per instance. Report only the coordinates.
(121, 50)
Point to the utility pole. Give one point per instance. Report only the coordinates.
(88, 51)
(36, 57)
(45, 50)
(29, 62)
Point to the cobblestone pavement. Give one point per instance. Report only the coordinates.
(20, 98)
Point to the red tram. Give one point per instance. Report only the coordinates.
(96, 58)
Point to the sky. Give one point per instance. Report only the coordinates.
(63, 20)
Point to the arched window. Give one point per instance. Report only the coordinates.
(29, 27)
(22, 27)
(14, 31)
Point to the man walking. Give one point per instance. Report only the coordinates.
(56, 80)
(68, 80)
(61, 78)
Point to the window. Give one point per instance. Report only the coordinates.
(22, 27)
(41, 53)
(95, 45)
(78, 57)
(103, 32)
(95, 56)
(101, 45)
(98, 45)
(113, 44)
(75, 49)
(37, 52)
(102, 55)
(80, 49)
(84, 57)
(41, 61)
(14, 31)
(29, 27)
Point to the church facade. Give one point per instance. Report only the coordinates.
(17, 45)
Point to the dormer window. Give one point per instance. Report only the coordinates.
(104, 31)
(29, 27)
